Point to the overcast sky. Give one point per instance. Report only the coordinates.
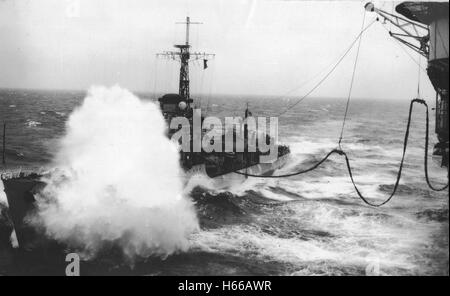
(266, 47)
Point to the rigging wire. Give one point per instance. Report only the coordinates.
(201, 88)
(418, 79)
(339, 150)
(405, 50)
(306, 82)
(392, 12)
(350, 170)
(351, 83)
(329, 72)
(208, 99)
(155, 69)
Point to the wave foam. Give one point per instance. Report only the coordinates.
(117, 181)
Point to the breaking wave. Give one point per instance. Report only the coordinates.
(32, 123)
(117, 181)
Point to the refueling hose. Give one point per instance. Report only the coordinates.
(349, 168)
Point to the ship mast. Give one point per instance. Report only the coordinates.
(185, 56)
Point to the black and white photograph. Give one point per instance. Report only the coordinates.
(202, 139)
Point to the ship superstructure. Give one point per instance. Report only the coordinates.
(214, 164)
(424, 28)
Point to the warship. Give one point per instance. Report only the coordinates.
(223, 167)
(218, 165)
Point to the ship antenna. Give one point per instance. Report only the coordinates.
(184, 56)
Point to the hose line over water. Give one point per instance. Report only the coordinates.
(349, 168)
(351, 83)
(341, 152)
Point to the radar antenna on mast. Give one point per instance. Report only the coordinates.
(184, 56)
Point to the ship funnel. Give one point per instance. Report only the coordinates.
(369, 7)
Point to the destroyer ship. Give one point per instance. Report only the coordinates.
(218, 165)
(223, 167)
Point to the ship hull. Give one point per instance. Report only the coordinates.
(20, 191)
(228, 180)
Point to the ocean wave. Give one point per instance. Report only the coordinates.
(14, 154)
(439, 215)
(308, 145)
(53, 114)
(6, 226)
(272, 194)
(324, 238)
(33, 123)
(284, 191)
(216, 209)
(3, 200)
(311, 224)
(406, 189)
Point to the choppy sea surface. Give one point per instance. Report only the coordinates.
(312, 224)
